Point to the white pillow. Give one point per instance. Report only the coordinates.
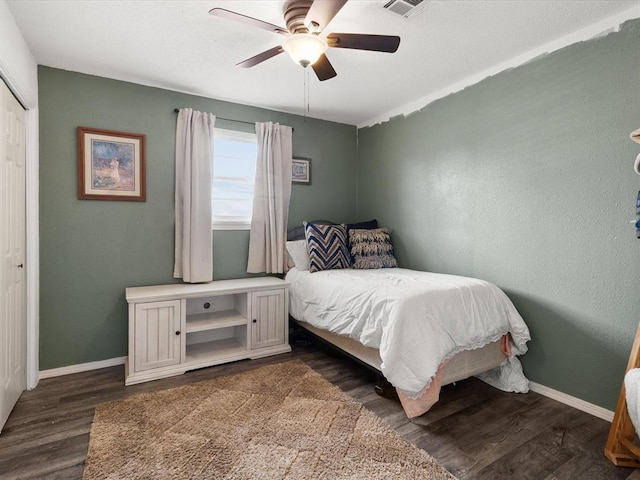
(299, 254)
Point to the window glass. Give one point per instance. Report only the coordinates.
(234, 172)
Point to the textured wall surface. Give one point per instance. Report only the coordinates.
(91, 250)
(526, 180)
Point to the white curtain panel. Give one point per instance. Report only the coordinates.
(268, 238)
(194, 176)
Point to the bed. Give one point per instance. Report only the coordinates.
(420, 330)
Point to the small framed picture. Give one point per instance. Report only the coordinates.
(301, 171)
(111, 165)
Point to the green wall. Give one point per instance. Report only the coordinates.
(90, 251)
(525, 179)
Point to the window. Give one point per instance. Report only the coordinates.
(234, 172)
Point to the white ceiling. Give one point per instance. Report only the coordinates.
(177, 45)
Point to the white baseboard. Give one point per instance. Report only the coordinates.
(561, 397)
(574, 402)
(82, 367)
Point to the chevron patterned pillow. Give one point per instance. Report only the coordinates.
(327, 245)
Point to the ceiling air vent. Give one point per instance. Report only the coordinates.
(406, 8)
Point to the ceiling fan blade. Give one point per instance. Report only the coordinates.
(238, 17)
(321, 13)
(376, 43)
(261, 57)
(323, 68)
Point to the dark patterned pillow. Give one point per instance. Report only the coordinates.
(371, 224)
(372, 249)
(327, 246)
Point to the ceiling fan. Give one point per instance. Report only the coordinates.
(305, 20)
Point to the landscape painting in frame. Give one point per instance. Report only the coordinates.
(301, 170)
(111, 165)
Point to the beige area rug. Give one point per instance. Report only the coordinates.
(281, 421)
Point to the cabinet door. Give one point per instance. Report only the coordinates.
(268, 318)
(157, 335)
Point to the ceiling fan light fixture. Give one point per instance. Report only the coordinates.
(304, 48)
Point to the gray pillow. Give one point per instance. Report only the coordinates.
(297, 233)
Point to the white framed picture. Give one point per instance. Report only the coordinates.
(301, 171)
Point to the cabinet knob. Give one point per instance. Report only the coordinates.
(178, 332)
(255, 321)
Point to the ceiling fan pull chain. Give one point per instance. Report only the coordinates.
(305, 93)
(306, 70)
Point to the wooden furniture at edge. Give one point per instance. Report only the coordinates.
(620, 448)
(181, 327)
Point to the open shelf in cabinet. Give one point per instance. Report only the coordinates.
(207, 345)
(216, 312)
(215, 349)
(213, 320)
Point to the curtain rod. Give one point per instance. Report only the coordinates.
(176, 110)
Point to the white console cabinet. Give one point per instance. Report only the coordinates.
(175, 328)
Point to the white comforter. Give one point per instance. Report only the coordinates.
(416, 319)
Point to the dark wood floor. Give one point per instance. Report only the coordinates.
(475, 431)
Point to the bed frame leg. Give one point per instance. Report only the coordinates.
(298, 335)
(384, 388)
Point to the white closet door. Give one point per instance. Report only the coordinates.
(13, 323)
